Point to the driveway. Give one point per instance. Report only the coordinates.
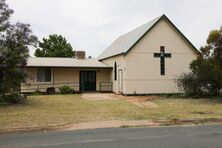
(161, 137)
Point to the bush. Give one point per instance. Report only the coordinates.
(15, 98)
(194, 85)
(66, 90)
(205, 78)
(50, 90)
(1, 100)
(37, 92)
(189, 85)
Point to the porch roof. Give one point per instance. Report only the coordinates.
(65, 62)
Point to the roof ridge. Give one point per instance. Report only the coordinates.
(157, 18)
(62, 58)
(65, 62)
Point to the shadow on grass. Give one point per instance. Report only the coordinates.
(6, 104)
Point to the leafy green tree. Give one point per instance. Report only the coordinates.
(54, 46)
(214, 45)
(205, 77)
(14, 42)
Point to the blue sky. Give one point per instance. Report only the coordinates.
(92, 25)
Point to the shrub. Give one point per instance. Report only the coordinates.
(37, 92)
(66, 90)
(2, 101)
(194, 85)
(188, 83)
(205, 78)
(15, 98)
(50, 90)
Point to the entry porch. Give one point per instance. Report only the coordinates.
(80, 79)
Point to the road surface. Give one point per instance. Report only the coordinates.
(157, 137)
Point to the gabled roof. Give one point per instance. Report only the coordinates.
(65, 62)
(125, 42)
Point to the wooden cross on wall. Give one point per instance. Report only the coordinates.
(162, 55)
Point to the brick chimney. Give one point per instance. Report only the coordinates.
(80, 54)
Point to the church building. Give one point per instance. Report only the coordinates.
(146, 60)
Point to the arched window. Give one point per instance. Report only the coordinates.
(115, 71)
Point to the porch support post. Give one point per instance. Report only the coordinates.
(53, 77)
(100, 89)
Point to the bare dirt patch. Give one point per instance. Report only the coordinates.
(141, 101)
(98, 96)
(149, 104)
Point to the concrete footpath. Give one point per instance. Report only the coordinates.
(111, 124)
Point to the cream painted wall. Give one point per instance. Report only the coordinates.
(103, 75)
(121, 65)
(143, 70)
(64, 75)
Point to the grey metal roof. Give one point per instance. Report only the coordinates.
(126, 41)
(65, 62)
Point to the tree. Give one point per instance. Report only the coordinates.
(54, 46)
(205, 77)
(14, 42)
(214, 45)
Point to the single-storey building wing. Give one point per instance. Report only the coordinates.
(146, 60)
(80, 74)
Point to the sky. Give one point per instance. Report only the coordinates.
(92, 25)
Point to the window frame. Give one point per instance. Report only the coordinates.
(115, 71)
(36, 76)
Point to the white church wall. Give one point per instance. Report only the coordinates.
(120, 66)
(142, 74)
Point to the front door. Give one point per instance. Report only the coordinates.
(120, 81)
(87, 81)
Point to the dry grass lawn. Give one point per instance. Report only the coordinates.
(186, 108)
(56, 110)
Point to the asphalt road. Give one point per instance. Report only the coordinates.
(158, 137)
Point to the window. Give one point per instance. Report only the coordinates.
(115, 71)
(44, 75)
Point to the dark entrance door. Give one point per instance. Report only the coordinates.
(87, 81)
